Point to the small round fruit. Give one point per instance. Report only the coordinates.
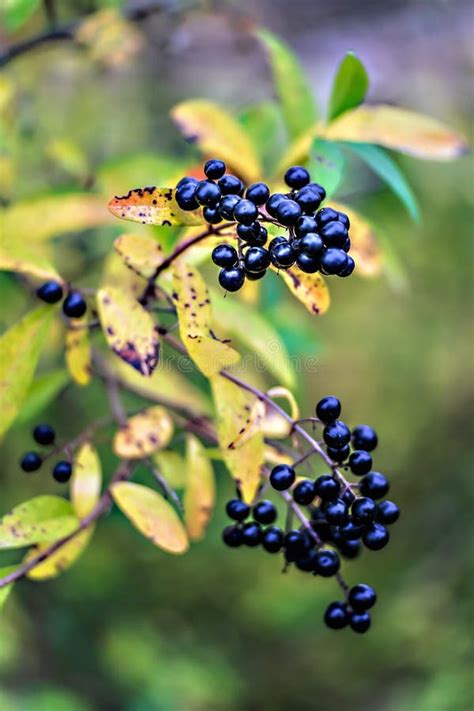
(62, 471)
(327, 563)
(254, 276)
(360, 621)
(360, 462)
(282, 477)
(338, 454)
(296, 544)
(288, 212)
(226, 206)
(30, 462)
(328, 409)
(374, 485)
(312, 244)
(208, 193)
(350, 531)
(334, 234)
(342, 217)
(282, 255)
(277, 240)
(387, 512)
(214, 169)
(363, 510)
(187, 180)
(362, 597)
(264, 512)
(51, 292)
(349, 268)
(319, 189)
(44, 434)
(232, 279)
(304, 225)
(251, 534)
(336, 434)
(212, 215)
(230, 185)
(186, 196)
(232, 536)
(349, 549)
(272, 539)
(257, 259)
(273, 202)
(336, 617)
(307, 561)
(326, 487)
(258, 193)
(249, 233)
(308, 199)
(245, 212)
(304, 492)
(297, 177)
(237, 510)
(376, 537)
(325, 215)
(74, 305)
(224, 255)
(307, 263)
(336, 512)
(333, 260)
(364, 437)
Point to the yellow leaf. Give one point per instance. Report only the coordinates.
(191, 297)
(310, 289)
(154, 517)
(140, 253)
(109, 37)
(144, 434)
(273, 456)
(402, 130)
(364, 246)
(200, 489)
(153, 206)
(86, 480)
(129, 329)
(44, 518)
(217, 133)
(116, 273)
(172, 467)
(78, 352)
(250, 426)
(233, 407)
(275, 425)
(20, 348)
(62, 559)
(17, 255)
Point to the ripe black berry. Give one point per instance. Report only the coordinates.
(360, 462)
(277, 240)
(333, 260)
(297, 177)
(374, 485)
(272, 539)
(307, 561)
(245, 212)
(325, 215)
(282, 477)
(308, 199)
(214, 168)
(350, 266)
(376, 537)
(74, 305)
(232, 279)
(273, 202)
(44, 434)
(336, 512)
(342, 217)
(296, 544)
(328, 409)
(304, 225)
(339, 454)
(288, 212)
(307, 263)
(30, 462)
(186, 196)
(334, 234)
(264, 512)
(360, 621)
(363, 510)
(254, 276)
(336, 434)
(350, 531)
(282, 254)
(364, 437)
(327, 563)
(230, 185)
(237, 509)
(312, 244)
(362, 597)
(258, 193)
(387, 512)
(187, 180)
(304, 492)
(257, 259)
(212, 215)
(224, 255)
(326, 487)
(208, 193)
(62, 471)
(232, 536)
(249, 233)
(349, 549)
(226, 206)
(51, 292)
(336, 616)
(251, 534)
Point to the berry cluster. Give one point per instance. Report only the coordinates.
(32, 461)
(341, 516)
(316, 240)
(74, 305)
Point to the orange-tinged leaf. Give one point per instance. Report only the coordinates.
(62, 559)
(154, 517)
(310, 289)
(191, 297)
(140, 253)
(200, 489)
(129, 329)
(399, 129)
(365, 248)
(217, 133)
(43, 518)
(78, 352)
(144, 434)
(233, 407)
(86, 480)
(153, 206)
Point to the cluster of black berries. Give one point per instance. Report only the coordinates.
(32, 461)
(317, 239)
(74, 305)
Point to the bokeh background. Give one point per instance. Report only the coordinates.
(132, 629)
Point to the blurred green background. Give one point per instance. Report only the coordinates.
(133, 629)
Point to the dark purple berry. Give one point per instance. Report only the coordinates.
(338, 454)
(374, 485)
(364, 437)
(349, 268)
(387, 512)
(230, 185)
(232, 536)
(307, 263)
(304, 225)
(363, 510)
(327, 563)
(212, 215)
(249, 233)
(326, 487)
(376, 537)
(226, 206)
(62, 472)
(308, 199)
(360, 462)
(304, 492)
(256, 259)
(336, 617)
(237, 510)
(336, 512)
(245, 212)
(208, 193)
(44, 434)
(264, 512)
(288, 212)
(297, 177)
(282, 255)
(272, 539)
(328, 409)
(336, 434)
(273, 202)
(251, 534)
(325, 215)
(214, 169)
(334, 234)
(232, 279)
(360, 621)
(282, 477)
(224, 255)
(186, 196)
(362, 597)
(74, 305)
(30, 462)
(50, 292)
(333, 261)
(258, 193)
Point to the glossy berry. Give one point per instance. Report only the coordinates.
(360, 621)
(232, 279)
(350, 531)
(328, 409)
(214, 169)
(257, 259)
(312, 244)
(364, 437)
(327, 563)
(273, 202)
(187, 180)
(374, 485)
(282, 255)
(342, 217)
(282, 477)
(208, 193)
(277, 240)
(296, 544)
(360, 462)
(237, 510)
(307, 561)
(44, 434)
(336, 512)
(74, 305)
(186, 196)
(251, 534)
(264, 512)
(350, 266)
(348, 497)
(258, 193)
(334, 234)
(307, 263)
(272, 539)
(224, 255)
(226, 206)
(51, 292)
(308, 199)
(387, 512)
(230, 185)
(62, 471)
(362, 597)
(336, 617)
(363, 510)
(376, 537)
(212, 215)
(325, 215)
(249, 233)
(349, 549)
(254, 276)
(304, 225)
(304, 492)
(326, 487)
(30, 462)
(245, 212)
(339, 454)
(297, 177)
(336, 434)
(288, 212)
(333, 261)
(232, 536)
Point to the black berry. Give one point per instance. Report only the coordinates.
(297, 177)
(308, 199)
(272, 539)
(288, 212)
(336, 616)
(74, 305)
(273, 202)
(282, 477)
(336, 512)
(214, 169)
(326, 487)
(350, 266)
(257, 259)
(362, 597)
(282, 254)
(296, 544)
(264, 512)
(237, 509)
(230, 185)
(30, 462)
(336, 434)
(208, 193)
(245, 212)
(374, 485)
(232, 279)
(364, 437)
(376, 537)
(249, 233)
(186, 196)
(224, 255)
(360, 621)
(251, 534)
(334, 234)
(328, 409)
(333, 260)
(327, 563)
(232, 536)
(363, 510)
(226, 206)
(312, 244)
(360, 462)
(44, 434)
(307, 263)
(339, 454)
(212, 215)
(258, 193)
(62, 471)
(327, 214)
(387, 512)
(51, 292)
(304, 492)
(304, 225)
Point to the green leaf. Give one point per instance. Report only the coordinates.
(44, 518)
(20, 348)
(17, 12)
(5, 592)
(43, 390)
(327, 164)
(293, 90)
(263, 123)
(349, 87)
(385, 167)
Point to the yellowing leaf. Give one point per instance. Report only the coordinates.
(17, 255)
(310, 289)
(233, 407)
(20, 348)
(200, 489)
(217, 133)
(44, 518)
(115, 273)
(172, 467)
(129, 329)
(86, 480)
(275, 425)
(251, 425)
(274, 456)
(140, 253)
(191, 297)
(402, 130)
(144, 434)
(5, 591)
(109, 37)
(153, 206)
(154, 517)
(78, 353)
(364, 246)
(62, 559)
